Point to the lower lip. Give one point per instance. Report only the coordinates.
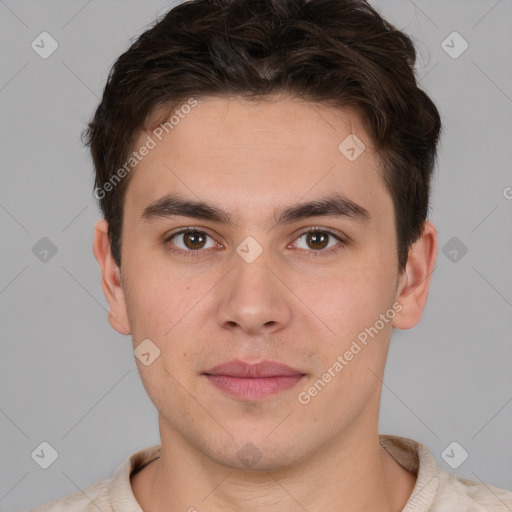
(253, 388)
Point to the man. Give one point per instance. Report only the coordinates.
(263, 168)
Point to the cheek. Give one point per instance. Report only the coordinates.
(152, 297)
(163, 303)
(351, 308)
(350, 299)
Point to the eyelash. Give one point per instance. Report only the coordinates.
(197, 253)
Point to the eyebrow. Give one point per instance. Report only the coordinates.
(335, 205)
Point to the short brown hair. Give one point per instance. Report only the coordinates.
(340, 53)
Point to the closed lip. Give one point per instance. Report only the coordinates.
(237, 368)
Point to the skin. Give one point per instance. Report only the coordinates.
(288, 305)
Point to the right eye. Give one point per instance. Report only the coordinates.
(190, 241)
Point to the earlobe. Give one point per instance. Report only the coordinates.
(414, 283)
(110, 278)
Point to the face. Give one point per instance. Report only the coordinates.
(290, 257)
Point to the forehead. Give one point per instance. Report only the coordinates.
(255, 154)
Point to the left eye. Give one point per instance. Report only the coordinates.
(319, 240)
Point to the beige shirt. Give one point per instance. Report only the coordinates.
(436, 489)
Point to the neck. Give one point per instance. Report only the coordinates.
(354, 474)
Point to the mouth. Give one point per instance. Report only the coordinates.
(253, 381)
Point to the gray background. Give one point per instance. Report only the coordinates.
(69, 379)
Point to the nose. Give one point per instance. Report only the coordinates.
(252, 299)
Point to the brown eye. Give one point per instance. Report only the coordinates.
(190, 240)
(319, 240)
(194, 239)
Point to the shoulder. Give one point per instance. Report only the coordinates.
(93, 498)
(438, 489)
(455, 492)
(109, 495)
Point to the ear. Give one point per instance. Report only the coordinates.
(110, 279)
(414, 282)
